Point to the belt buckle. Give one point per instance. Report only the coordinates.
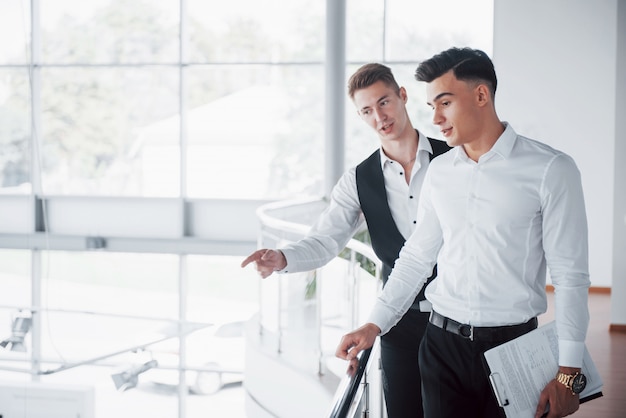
(467, 331)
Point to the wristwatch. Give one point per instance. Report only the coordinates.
(575, 382)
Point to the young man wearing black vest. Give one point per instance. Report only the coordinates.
(383, 190)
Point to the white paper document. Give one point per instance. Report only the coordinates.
(521, 368)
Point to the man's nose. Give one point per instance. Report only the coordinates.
(379, 115)
(437, 118)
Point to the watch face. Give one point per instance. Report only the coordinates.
(579, 383)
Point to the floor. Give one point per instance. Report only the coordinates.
(608, 351)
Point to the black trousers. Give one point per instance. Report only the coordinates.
(401, 373)
(454, 376)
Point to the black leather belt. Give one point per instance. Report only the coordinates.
(490, 334)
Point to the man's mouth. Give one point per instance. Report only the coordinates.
(386, 128)
(446, 131)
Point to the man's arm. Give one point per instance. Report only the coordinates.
(327, 237)
(566, 249)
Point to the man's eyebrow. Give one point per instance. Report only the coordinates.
(439, 96)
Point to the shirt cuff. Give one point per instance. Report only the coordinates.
(288, 254)
(382, 318)
(571, 353)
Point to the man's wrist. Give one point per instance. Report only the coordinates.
(283, 259)
(282, 268)
(373, 328)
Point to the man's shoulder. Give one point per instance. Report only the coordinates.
(538, 148)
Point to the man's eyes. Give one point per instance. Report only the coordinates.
(440, 104)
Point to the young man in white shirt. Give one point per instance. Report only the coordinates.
(383, 190)
(494, 213)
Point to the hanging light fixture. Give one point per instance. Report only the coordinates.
(128, 379)
(21, 324)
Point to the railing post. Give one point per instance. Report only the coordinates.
(366, 394)
(279, 321)
(355, 291)
(318, 312)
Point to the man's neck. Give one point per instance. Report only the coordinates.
(488, 137)
(402, 149)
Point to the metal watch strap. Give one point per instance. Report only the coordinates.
(566, 380)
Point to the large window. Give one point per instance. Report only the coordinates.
(108, 97)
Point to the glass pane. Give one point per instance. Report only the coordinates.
(418, 29)
(256, 31)
(145, 400)
(365, 30)
(103, 312)
(15, 282)
(110, 31)
(15, 25)
(15, 299)
(255, 131)
(139, 284)
(15, 130)
(101, 130)
(220, 290)
(223, 294)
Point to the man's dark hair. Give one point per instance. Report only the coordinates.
(467, 64)
(369, 74)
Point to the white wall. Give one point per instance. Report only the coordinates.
(559, 83)
(618, 291)
(556, 62)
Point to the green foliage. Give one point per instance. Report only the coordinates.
(365, 263)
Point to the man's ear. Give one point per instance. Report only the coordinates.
(403, 95)
(483, 96)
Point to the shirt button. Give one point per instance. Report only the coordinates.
(401, 173)
(414, 222)
(410, 197)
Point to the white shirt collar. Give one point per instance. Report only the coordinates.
(423, 144)
(502, 147)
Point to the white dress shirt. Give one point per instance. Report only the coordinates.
(343, 216)
(493, 226)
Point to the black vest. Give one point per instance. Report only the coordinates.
(387, 241)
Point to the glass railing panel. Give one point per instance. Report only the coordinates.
(309, 312)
